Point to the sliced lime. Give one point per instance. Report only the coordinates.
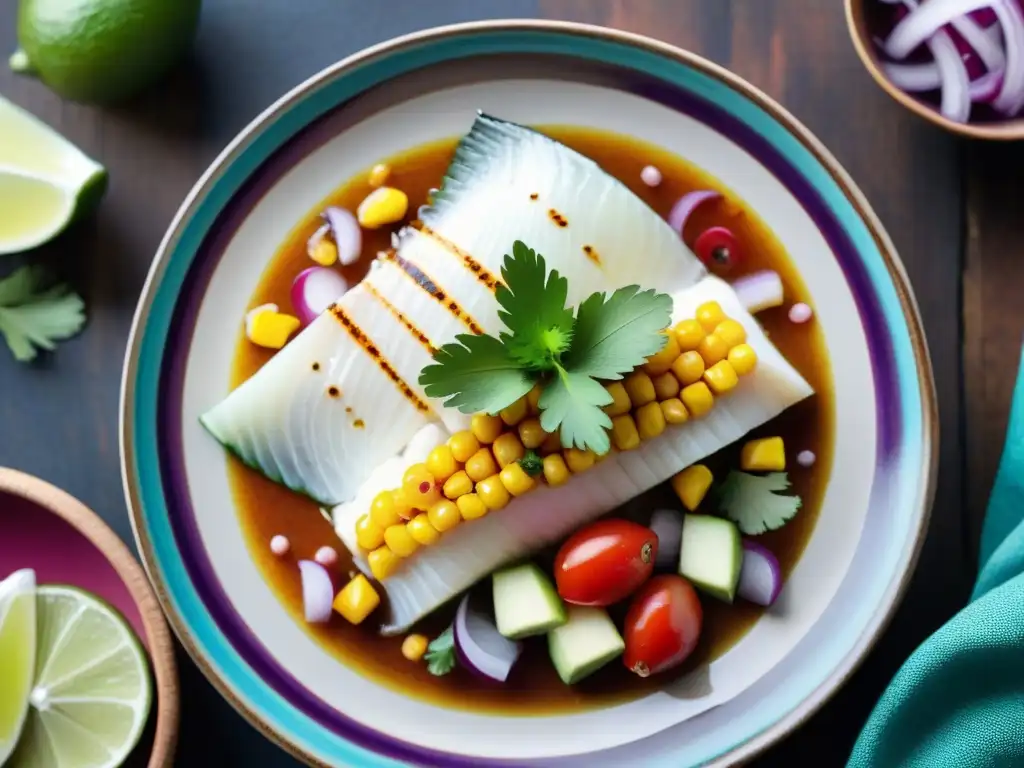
(92, 689)
(45, 181)
(17, 655)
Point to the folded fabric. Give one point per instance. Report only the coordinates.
(958, 701)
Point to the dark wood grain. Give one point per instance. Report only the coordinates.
(58, 419)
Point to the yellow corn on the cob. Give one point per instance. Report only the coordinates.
(479, 470)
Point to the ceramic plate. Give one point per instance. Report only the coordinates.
(428, 86)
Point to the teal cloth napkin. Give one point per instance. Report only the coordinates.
(958, 701)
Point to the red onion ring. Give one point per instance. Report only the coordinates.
(480, 647)
(317, 592)
(925, 22)
(686, 205)
(1011, 96)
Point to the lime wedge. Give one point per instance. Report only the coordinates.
(92, 691)
(45, 181)
(17, 655)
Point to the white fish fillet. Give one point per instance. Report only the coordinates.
(435, 574)
(438, 284)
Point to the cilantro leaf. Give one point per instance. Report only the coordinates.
(440, 655)
(33, 317)
(571, 404)
(613, 336)
(752, 503)
(476, 374)
(533, 309)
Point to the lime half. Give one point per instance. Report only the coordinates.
(92, 691)
(45, 181)
(17, 655)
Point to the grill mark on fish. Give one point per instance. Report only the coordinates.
(419, 335)
(468, 261)
(425, 282)
(360, 337)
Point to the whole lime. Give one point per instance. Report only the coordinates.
(103, 51)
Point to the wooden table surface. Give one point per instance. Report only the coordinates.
(948, 205)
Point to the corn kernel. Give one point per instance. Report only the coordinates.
(383, 562)
(486, 428)
(579, 461)
(713, 349)
(401, 504)
(640, 388)
(271, 329)
(515, 479)
(324, 253)
(698, 399)
(441, 463)
(385, 205)
(555, 470)
(533, 398)
(400, 541)
(688, 367)
(481, 464)
(463, 444)
(661, 360)
(414, 647)
(666, 386)
(357, 600)
(721, 377)
(743, 358)
(709, 314)
(532, 433)
(420, 487)
(444, 515)
(766, 454)
(620, 403)
(471, 507)
(692, 484)
(552, 443)
(369, 535)
(422, 531)
(384, 511)
(508, 449)
(689, 333)
(731, 332)
(515, 413)
(379, 175)
(492, 492)
(625, 436)
(674, 411)
(458, 484)
(650, 421)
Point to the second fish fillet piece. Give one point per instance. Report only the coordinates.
(436, 573)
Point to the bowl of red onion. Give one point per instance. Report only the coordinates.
(957, 63)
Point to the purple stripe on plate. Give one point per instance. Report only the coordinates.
(182, 515)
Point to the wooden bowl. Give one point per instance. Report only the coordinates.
(44, 528)
(1011, 129)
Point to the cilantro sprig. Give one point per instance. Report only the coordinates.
(567, 353)
(35, 315)
(440, 655)
(753, 501)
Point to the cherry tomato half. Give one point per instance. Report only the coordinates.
(718, 248)
(605, 562)
(662, 625)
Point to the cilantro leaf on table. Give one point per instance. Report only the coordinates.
(34, 317)
(533, 309)
(475, 374)
(752, 503)
(440, 655)
(571, 405)
(613, 336)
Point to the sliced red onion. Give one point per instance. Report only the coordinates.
(667, 525)
(987, 87)
(926, 21)
(314, 290)
(760, 575)
(760, 290)
(686, 205)
(982, 42)
(317, 592)
(348, 236)
(913, 77)
(479, 646)
(1011, 96)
